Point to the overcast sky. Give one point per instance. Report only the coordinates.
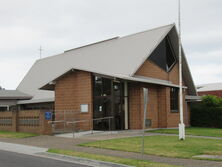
(59, 25)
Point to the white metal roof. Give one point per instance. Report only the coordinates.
(116, 57)
(36, 101)
(13, 94)
(209, 87)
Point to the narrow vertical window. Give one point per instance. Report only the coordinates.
(174, 95)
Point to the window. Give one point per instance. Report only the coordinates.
(174, 95)
(4, 108)
(164, 55)
(170, 58)
(102, 86)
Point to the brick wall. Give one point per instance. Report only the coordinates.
(215, 92)
(32, 121)
(159, 99)
(149, 69)
(71, 91)
(135, 108)
(163, 106)
(158, 108)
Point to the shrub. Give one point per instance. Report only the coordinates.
(206, 114)
(211, 101)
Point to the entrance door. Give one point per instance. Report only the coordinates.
(108, 101)
(118, 100)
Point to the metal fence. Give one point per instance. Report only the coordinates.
(74, 121)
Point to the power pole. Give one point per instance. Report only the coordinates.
(181, 124)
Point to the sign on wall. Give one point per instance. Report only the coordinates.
(48, 115)
(84, 107)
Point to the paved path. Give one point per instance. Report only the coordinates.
(11, 159)
(70, 144)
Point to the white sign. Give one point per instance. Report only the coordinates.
(84, 107)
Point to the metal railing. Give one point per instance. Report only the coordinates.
(73, 123)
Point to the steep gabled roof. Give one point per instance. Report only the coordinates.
(116, 57)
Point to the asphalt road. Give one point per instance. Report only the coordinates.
(11, 159)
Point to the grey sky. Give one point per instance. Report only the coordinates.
(60, 25)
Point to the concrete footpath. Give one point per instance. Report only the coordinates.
(71, 144)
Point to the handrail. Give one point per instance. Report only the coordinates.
(73, 122)
(50, 122)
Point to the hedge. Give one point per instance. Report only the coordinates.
(206, 116)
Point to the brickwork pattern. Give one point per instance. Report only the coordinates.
(32, 121)
(149, 69)
(71, 91)
(159, 99)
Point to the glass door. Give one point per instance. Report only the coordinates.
(108, 101)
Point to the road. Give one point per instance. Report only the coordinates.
(11, 159)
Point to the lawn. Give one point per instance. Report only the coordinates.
(168, 146)
(125, 161)
(6, 134)
(213, 132)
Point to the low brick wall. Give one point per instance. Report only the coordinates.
(25, 121)
(8, 121)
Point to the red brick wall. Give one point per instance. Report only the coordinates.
(71, 91)
(158, 108)
(163, 106)
(76, 88)
(159, 99)
(135, 118)
(149, 69)
(32, 121)
(215, 92)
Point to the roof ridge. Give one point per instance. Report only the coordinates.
(105, 40)
(152, 29)
(109, 39)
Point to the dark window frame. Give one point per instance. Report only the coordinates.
(174, 100)
(173, 54)
(164, 55)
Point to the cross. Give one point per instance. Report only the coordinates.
(40, 52)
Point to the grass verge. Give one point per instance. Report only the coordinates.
(168, 146)
(125, 161)
(6, 134)
(212, 132)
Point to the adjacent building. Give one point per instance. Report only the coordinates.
(210, 89)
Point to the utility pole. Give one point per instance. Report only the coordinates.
(181, 124)
(40, 52)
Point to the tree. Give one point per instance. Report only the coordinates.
(211, 100)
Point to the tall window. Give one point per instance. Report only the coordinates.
(164, 55)
(174, 95)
